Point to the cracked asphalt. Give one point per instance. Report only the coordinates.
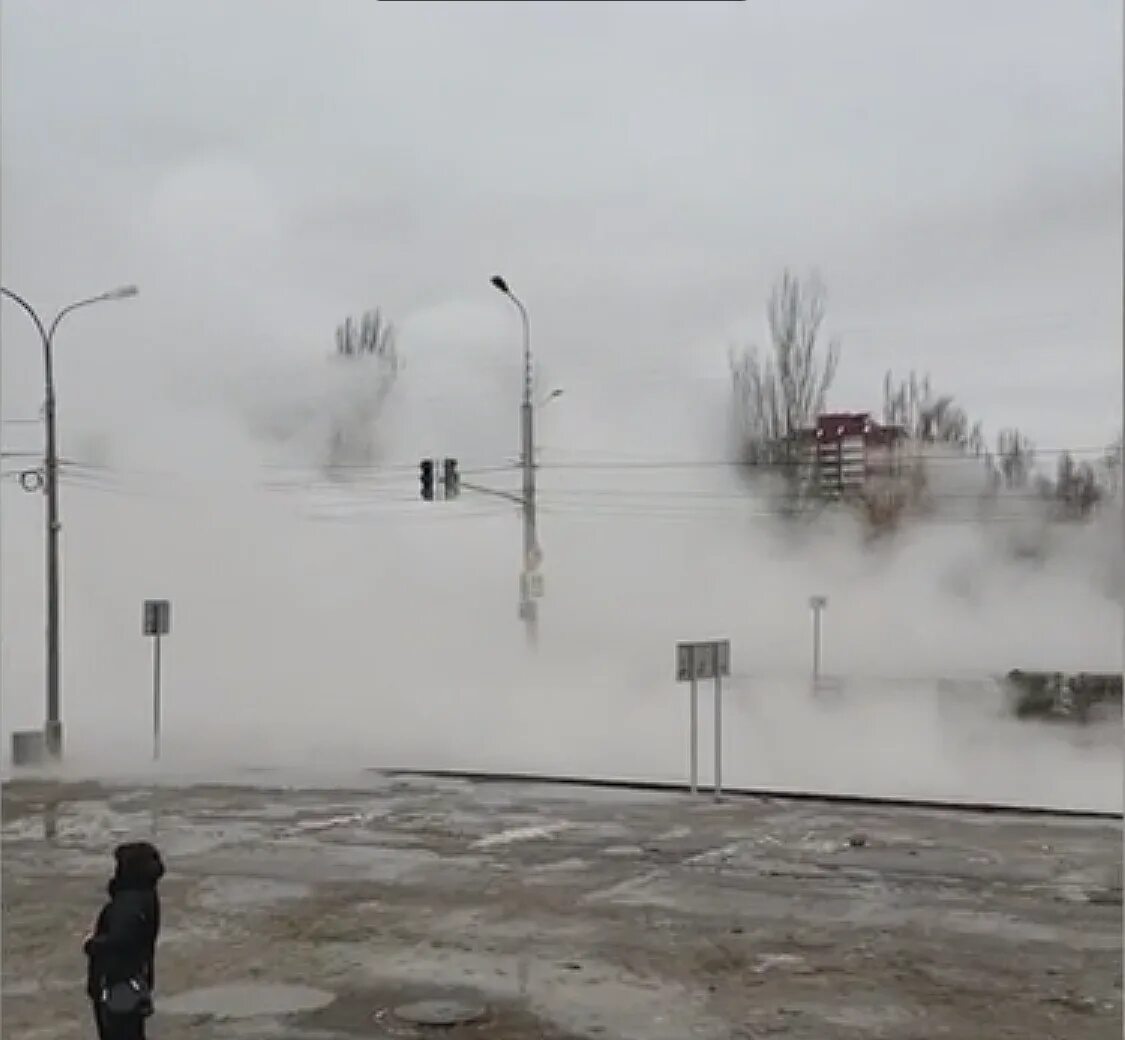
(300, 913)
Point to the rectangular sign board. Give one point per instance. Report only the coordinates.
(702, 660)
(722, 653)
(157, 617)
(684, 664)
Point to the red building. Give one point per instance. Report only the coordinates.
(848, 452)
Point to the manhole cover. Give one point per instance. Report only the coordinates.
(440, 1013)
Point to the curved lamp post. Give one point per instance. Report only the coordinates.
(531, 553)
(53, 724)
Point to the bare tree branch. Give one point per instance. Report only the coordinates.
(373, 336)
(911, 405)
(776, 397)
(371, 343)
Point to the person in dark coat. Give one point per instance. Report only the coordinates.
(122, 947)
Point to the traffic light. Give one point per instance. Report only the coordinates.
(426, 477)
(452, 479)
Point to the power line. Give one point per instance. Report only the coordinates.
(350, 510)
(663, 463)
(390, 468)
(316, 481)
(383, 484)
(686, 516)
(743, 464)
(732, 496)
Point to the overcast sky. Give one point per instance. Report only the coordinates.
(639, 171)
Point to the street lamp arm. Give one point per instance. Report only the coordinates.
(519, 303)
(500, 284)
(15, 297)
(53, 725)
(114, 294)
(526, 343)
(48, 334)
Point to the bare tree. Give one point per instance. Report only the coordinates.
(1111, 464)
(778, 396)
(371, 337)
(1077, 489)
(370, 342)
(927, 417)
(1015, 457)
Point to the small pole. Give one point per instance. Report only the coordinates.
(694, 733)
(818, 603)
(816, 644)
(156, 700)
(718, 734)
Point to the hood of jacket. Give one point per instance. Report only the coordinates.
(137, 867)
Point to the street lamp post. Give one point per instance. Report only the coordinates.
(531, 554)
(52, 730)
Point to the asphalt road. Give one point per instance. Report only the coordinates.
(565, 912)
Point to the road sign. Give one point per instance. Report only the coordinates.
(157, 617)
(707, 660)
(702, 660)
(531, 585)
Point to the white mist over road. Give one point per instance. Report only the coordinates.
(345, 625)
(640, 174)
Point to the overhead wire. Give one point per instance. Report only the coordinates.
(663, 514)
(383, 486)
(346, 474)
(362, 510)
(623, 460)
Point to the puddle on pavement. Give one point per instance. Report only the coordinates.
(323, 862)
(20, 988)
(237, 893)
(868, 1019)
(247, 1000)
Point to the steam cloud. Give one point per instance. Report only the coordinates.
(337, 624)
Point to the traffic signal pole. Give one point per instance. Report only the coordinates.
(530, 587)
(529, 608)
(452, 484)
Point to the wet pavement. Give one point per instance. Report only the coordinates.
(563, 912)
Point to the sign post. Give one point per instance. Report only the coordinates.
(694, 734)
(818, 603)
(157, 623)
(718, 734)
(708, 660)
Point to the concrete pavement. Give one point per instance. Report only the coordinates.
(571, 912)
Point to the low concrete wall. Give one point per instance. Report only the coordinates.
(29, 748)
(1060, 696)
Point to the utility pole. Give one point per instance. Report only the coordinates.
(532, 555)
(52, 729)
